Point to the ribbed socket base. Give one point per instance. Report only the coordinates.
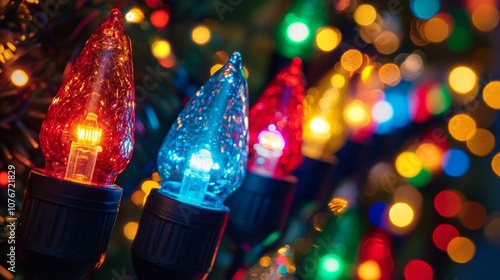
(176, 240)
(64, 227)
(259, 208)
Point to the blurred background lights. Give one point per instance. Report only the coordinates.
(357, 114)
(430, 155)
(424, 9)
(365, 14)
(462, 127)
(330, 267)
(462, 79)
(297, 32)
(389, 74)
(159, 18)
(408, 164)
(481, 143)
(378, 214)
(369, 270)
(161, 49)
(491, 94)
(382, 111)
(418, 270)
(351, 60)
(410, 195)
(200, 34)
(130, 230)
(148, 185)
(437, 29)
(492, 229)
(386, 42)
(447, 203)
(495, 164)
(461, 249)
(19, 78)
(135, 15)
(455, 162)
(472, 215)
(401, 214)
(214, 68)
(328, 38)
(485, 17)
(443, 234)
(338, 81)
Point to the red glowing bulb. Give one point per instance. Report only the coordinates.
(88, 133)
(275, 126)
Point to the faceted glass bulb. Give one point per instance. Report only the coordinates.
(88, 133)
(276, 124)
(203, 158)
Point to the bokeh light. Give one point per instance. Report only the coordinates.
(462, 79)
(148, 185)
(481, 143)
(447, 203)
(430, 155)
(461, 249)
(410, 195)
(437, 29)
(375, 248)
(338, 81)
(369, 270)
(418, 270)
(485, 17)
(455, 162)
(491, 94)
(201, 34)
(421, 179)
(382, 111)
(443, 234)
(408, 164)
(135, 15)
(365, 14)
(161, 49)
(351, 60)
(472, 215)
(4, 178)
(130, 230)
(495, 164)
(492, 229)
(462, 127)
(357, 114)
(424, 9)
(216, 67)
(389, 74)
(19, 78)
(378, 214)
(328, 38)
(386, 42)
(297, 32)
(438, 99)
(412, 67)
(401, 214)
(159, 18)
(138, 197)
(331, 266)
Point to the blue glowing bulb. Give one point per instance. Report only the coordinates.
(204, 156)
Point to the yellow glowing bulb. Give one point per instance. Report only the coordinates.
(320, 127)
(408, 164)
(462, 79)
(491, 94)
(357, 114)
(365, 14)
(134, 16)
(401, 214)
(338, 81)
(201, 35)
(369, 270)
(19, 78)
(130, 230)
(462, 127)
(161, 49)
(328, 38)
